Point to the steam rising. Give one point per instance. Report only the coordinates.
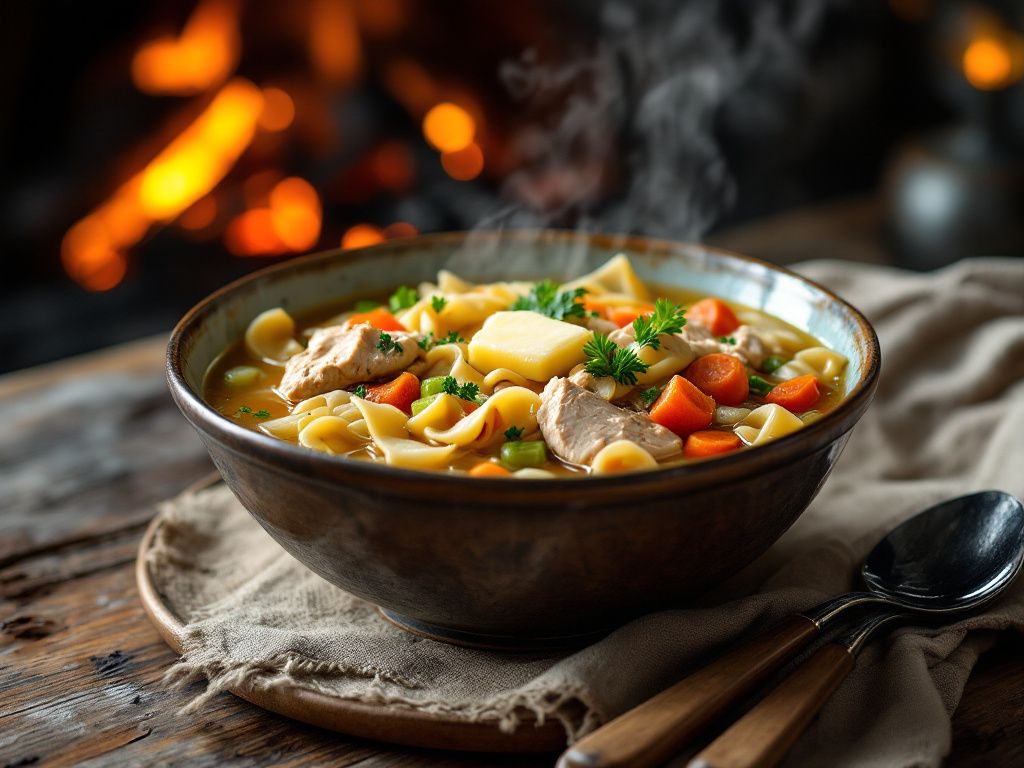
(638, 134)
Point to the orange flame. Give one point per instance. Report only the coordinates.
(93, 250)
(362, 235)
(449, 128)
(291, 222)
(205, 53)
(334, 44)
(278, 110)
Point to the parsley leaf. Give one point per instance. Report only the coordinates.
(650, 395)
(438, 303)
(243, 409)
(666, 318)
(403, 298)
(606, 359)
(727, 340)
(360, 391)
(544, 298)
(262, 413)
(387, 345)
(452, 338)
(514, 434)
(759, 386)
(467, 391)
(427, 341)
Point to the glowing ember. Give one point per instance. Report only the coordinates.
(362, 235)
(988, 64)
(199, 216)
(205, 53)
(295, 213)
(465, 164)
(334, 44)
(449, 128)
(278, 110)
(93, 250)
(252, 234)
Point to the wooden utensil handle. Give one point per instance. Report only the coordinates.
(761, 737)
(649, 734)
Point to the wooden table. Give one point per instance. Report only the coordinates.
(88, 447)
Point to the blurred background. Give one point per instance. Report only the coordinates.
(152, 151)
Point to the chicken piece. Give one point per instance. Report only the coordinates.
(577, 424)
(748, 346)
(339, 356)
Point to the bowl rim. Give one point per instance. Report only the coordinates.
(398, 481)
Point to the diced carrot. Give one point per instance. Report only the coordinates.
(399, 392)
(796, 395)
(720, 376)
(710, 442)
(379, 318)
(682, 407)
(592, 304)
(715, 314)
(489, 469)
(623, 316)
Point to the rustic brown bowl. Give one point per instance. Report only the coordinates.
(508, 563)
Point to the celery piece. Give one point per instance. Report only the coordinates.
(519, 454)
(242, 375)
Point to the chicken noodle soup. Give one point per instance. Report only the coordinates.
(600, 374)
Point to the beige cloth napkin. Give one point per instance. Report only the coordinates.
(948, 419)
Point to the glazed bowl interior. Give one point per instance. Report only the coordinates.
(507, 560)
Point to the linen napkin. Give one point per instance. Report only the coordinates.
(948, 419)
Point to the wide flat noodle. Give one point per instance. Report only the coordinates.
(386, 425)
(511, 407)
(270, 337)
(621, 456)
(824, 364)
(448, 360)
(767, 423)
(616, 276)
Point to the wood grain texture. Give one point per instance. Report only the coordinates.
(649, 734)
(81, 666)
(761, 738)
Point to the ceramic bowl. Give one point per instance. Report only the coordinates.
(505, 562)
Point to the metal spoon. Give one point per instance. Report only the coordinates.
(952, 557)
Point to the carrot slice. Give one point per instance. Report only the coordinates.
(715, 314)
(720, 376)
(710, 442)
(623, 316)
(796, 395)
(400, 392)
(379, 318)
(682, 407)
(489, 469)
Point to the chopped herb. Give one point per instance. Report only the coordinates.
(514, 434)
(759, 386)
(606, 359)
(262, 413)
(666, 318)
(243, 409)
(438, 303)
(366, 306)
(387, 345)
(545, 299)
(427, 341)
(403, 298)
(594, 313)
(360, 391)
(452, 338)
(772, 363)
(727, 340)
(467, 391)
(650, 395)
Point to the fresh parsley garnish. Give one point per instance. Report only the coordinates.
(650, 395)
(262, 413)
(606, 359)
(759, 386)
(666, 318)
(438, 303)
(243, 409)
(403, 298)
(544, 298)
(467, 391)
(427, 341)
(360, 391)
(452, 338)
(387, 345)
(514, 434)
(727, 340)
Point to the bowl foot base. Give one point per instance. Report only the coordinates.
(491, 642)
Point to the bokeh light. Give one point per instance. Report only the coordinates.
(362, 235)
(464, 164)
(448, 127)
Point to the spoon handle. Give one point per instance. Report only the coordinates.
(762, 737)
(649, 734)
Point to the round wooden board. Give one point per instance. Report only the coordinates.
(398, 726)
